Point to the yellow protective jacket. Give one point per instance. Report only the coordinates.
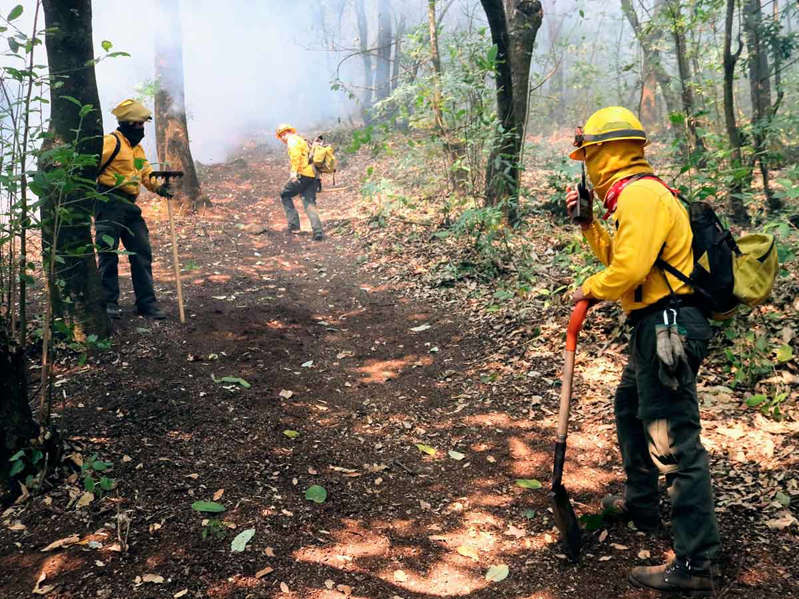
(647, 218)
(298, 156)
(130, 163)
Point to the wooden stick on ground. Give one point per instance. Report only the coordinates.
(176, 260)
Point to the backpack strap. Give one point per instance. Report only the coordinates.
(113, 155)
(612, 195)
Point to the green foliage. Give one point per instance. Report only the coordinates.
(93, 477)
(769, 405)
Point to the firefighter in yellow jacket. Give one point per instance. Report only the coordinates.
(302, 181)
(656, 408)
(123, 170)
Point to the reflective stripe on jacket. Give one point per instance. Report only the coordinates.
(130, 163)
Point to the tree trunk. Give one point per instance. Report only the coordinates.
(17, 426)
(740, 180)
(66, 221)
(383, 71)
(366, 57)
(171, 129)
(760, 92)
(686, 79)
(649, 38)
(513, 32)
(399, 33)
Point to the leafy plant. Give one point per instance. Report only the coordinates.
(93, 477)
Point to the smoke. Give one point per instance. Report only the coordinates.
(247, 67)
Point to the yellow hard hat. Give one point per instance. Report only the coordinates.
(612, 123)
(282, 128)
(132, 111)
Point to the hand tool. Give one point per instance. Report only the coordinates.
(166, 176)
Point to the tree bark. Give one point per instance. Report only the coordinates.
(739, 180)
(171, 128)
(366, 57)
(399, 33)
(17, 426)
(383, 71)
(760, 92)
(66, 220)
(514, 25)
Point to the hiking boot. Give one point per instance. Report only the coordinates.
(318, 236)
(113, 310)
(680, 575)
(153, 312)
(614, 509)
(293, 230)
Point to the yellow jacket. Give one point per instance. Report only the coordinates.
(130, 163)
(298, 156)
(647, 218)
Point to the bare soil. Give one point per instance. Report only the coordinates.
(364, 363)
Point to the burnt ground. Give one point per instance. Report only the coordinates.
(363, 365)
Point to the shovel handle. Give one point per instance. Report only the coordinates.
(575, 324)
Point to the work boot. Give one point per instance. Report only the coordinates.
(151, 311)
(293, 230)
(614, 509)
(113, 310)
(680, 575)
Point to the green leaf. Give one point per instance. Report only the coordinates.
(106, 45)
(17, 467)
(426, 449)
(232, 379)
(291, 434)
(99, 466)
(316, 493)
(528, 483)
(756, 400)
(456, 455)
(592, 521)
(239, 544)
(497, 573)
(208, 506)
(784, 354)
(529, 514)
(783, 499)
(17, 455)
(88, 484)
(107, 240)
(15, 13)
(106, 484)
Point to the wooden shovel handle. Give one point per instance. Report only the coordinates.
(575, 324)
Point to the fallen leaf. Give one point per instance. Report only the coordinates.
(239, 544)
(127, 458)
(42, 590)
(153, 578)
(426, 449)
(468, 551)
(180, 594)
(456, 455)
(604, 558)
(65, 542)
(420, 328)
(400, 576)
(269, 552)
(603, 535)
(316, 493)
(208, 506)
(497, 573)
(218, 494)
(286, 394)
(17, 526)
(783, 520)
(308, 364)
(264, 572)
(85, 499)
(644, 554)
(528, 483)
(284, 588)
(329, 584)
(344, 588)
(291, 434)
(619, 547)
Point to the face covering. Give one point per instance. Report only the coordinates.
(133, 134)
(607, 163)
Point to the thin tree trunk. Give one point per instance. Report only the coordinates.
(366, 57)
(171, 128)
(513, 33)
(383, 71)
(760, 92)
(399, 33)
(75, 284)
(740, 180)
(686, 79)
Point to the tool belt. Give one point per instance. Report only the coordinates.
(670, 301)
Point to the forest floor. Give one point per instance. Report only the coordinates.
(416, 407)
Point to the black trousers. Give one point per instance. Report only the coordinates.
(306, 186)
(119, 219)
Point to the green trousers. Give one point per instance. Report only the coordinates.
(658, 430)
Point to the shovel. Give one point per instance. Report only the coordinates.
(565, 519)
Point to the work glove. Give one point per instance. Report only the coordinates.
(670, 349)
(164, 192)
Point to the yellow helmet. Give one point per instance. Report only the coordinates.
(282, 128)
(612, 123)
(132, 111)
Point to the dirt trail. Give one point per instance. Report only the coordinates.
(363, 373)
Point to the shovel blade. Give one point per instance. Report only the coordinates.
(566, 521)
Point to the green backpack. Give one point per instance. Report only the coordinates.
(322, 157)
